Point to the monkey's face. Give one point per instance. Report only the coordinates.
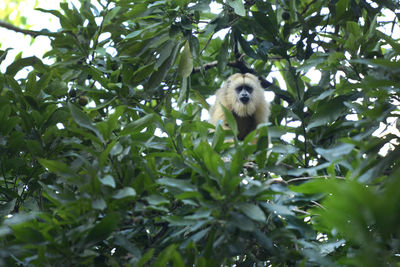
(244, 93)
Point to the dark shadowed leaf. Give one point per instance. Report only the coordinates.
(83, 120)
(102, 230)
(252, 211)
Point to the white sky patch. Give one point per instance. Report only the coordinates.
(288, 137)
(216, 8)
(160, 133)
(314, 75)
(60, 126)
(22, 43)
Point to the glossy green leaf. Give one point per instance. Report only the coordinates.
(83, 120)
(186, 62)
(238, 7)
(108, 180)
(139, 124)
(28, 234)
(56, 166)
(230, 119)
(252, 211)
(175, 183)
(124, 193)
(157, 76)
(24, 62)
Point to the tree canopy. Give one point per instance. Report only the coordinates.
(106, 160)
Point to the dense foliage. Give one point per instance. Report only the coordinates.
(105, 161)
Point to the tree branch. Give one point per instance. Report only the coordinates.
(234, 64)
(34, 34)
(313, 177)
(308, 6)
(238, 64)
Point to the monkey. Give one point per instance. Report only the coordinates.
(243, 95)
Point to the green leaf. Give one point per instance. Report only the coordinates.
(237, 162)
(278, 209)
(65, 23)
(200, 214)
(3, 54)
(28, 234)
(139, 124)
(284, 149)
(111, 14)
(337, 152)
(210, 159)
(238, 7)
(223, 55)
(25, 62)
(99, 204)
(133, 34)
(156, 200)
(125, 192)
(242, 222)
(218, 138)
(146, 257)
(157, 77)
(311, 187)
(327, 112)
(102, 230)
(165, 53)
(252, 211)
(230, 119)
(6, 209)
(56, 166)
(182, 185)
(108, 180)
(380, 62)
(83, 120)
(353, 28)
(244, 44)
(104, 155)
(186, 63)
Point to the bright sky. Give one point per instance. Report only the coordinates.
(20, 42)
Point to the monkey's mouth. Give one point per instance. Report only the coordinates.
(244, 99)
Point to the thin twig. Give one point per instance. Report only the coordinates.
(301, 211)
(235, 64)
(308, 6)
(314, 177)
(208, 42)
(317, 204)
(96, 40)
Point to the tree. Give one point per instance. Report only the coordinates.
(105, 159)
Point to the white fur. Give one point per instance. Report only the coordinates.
(228, 97)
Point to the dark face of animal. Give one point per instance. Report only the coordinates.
(244, 92)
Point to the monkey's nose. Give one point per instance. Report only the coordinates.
(244, 99)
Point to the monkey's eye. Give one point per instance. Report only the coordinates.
(249, 89)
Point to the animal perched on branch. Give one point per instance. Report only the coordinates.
(243, 95)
